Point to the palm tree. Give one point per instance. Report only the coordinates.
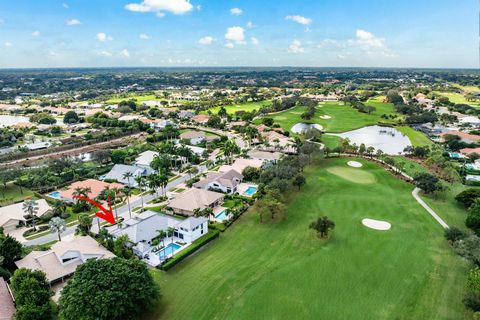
(30, 207)
(57, 225)
(229, 148)
(170, 232)
(59, 208)
(154, 183)
(141, 183)
(323, 225)
(128, 175)
(128, 192)
(163, 180)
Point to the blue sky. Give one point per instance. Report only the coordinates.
(319, 33)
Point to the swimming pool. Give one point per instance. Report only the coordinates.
(455, 155)
(55, 195)
(251, 190)
(222, 216)
(168, 250)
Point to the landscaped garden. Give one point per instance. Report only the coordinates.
(281, 269)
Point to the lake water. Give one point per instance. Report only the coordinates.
(389, 140)
(302, 127)
(7, 120)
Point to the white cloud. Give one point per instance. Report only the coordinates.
(296, 47)
(8, 44)
(161, 6)
(364, 41)
(250, 25)
(235, 34)
(236, 11)
(299, 19)
(254, 41)
(36, 33)
(102, 36)
(124, 53)
(144, 36)
(73, 22)
(105, 53)
(229, 45)
(206, 40)
(65, 5)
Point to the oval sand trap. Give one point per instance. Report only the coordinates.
(376, 224)
(325, 117)
(354, 164)
(353, 174)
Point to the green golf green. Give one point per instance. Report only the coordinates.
(282, 270)
(353, 175)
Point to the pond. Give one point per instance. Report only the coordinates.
(389, 140)
(7, 120)
(302, 127)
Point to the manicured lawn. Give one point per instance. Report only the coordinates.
(343, 117)
(250, 106)
(458, 98)
(137, 98)
(13, 193)
(417, 138)
(281, 270)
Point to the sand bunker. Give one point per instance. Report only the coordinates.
(325, 117)
(354, 164)
(376, 224)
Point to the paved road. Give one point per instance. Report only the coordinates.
(122, 211)
(429, 210)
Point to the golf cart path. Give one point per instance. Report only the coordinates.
(429, 210)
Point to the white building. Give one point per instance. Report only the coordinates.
(227, 182)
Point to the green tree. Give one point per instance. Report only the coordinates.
(30, 207)
(108, 289)
(323, 225)
(10, 251)
(299, 181)
(84, 224)
(468, 197)
(427, 182)
(32, 295)
(71, 117)
(122, 247)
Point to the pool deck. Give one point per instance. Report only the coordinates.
(243, 187)
(154, 260)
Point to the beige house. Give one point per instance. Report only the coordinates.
(240, 164)
(226, 182)
(185, 203)
(13, 215)
(64, 257)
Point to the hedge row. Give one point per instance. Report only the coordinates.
(197, 244)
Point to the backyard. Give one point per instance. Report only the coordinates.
(281, 270)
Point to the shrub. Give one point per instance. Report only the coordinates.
(454, 234)
(468, 196)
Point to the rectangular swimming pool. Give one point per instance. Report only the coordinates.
(251, 190)
(222, 216)
(168, 250)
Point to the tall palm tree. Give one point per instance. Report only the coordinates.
(57, 225)
(163, 180)
(128, 192)
(30, 207)
(170, 233)
(141, 183)
(128, 175)
(153, 183)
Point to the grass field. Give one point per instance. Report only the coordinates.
(137, 98)
(343, 118)
(281, 270)
(417, 138)
(249, 107)
(13, 193)
(458, 98)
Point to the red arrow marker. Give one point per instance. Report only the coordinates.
(107, 215)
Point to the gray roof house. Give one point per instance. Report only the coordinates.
(118, 171)
(186, 202)
(143, 228)
(227, 181)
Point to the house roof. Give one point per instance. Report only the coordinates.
(50, 261)
(144, 226)
(462, 135)
(96, 186)
(195, 199)
(192, 135)
(200, 118)
(145, 158)
(191, 222)
(240, 164)
(223, 178)
(271, 156)
(15, 211)
(119, 170)
(7, 308)
(470, 150)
